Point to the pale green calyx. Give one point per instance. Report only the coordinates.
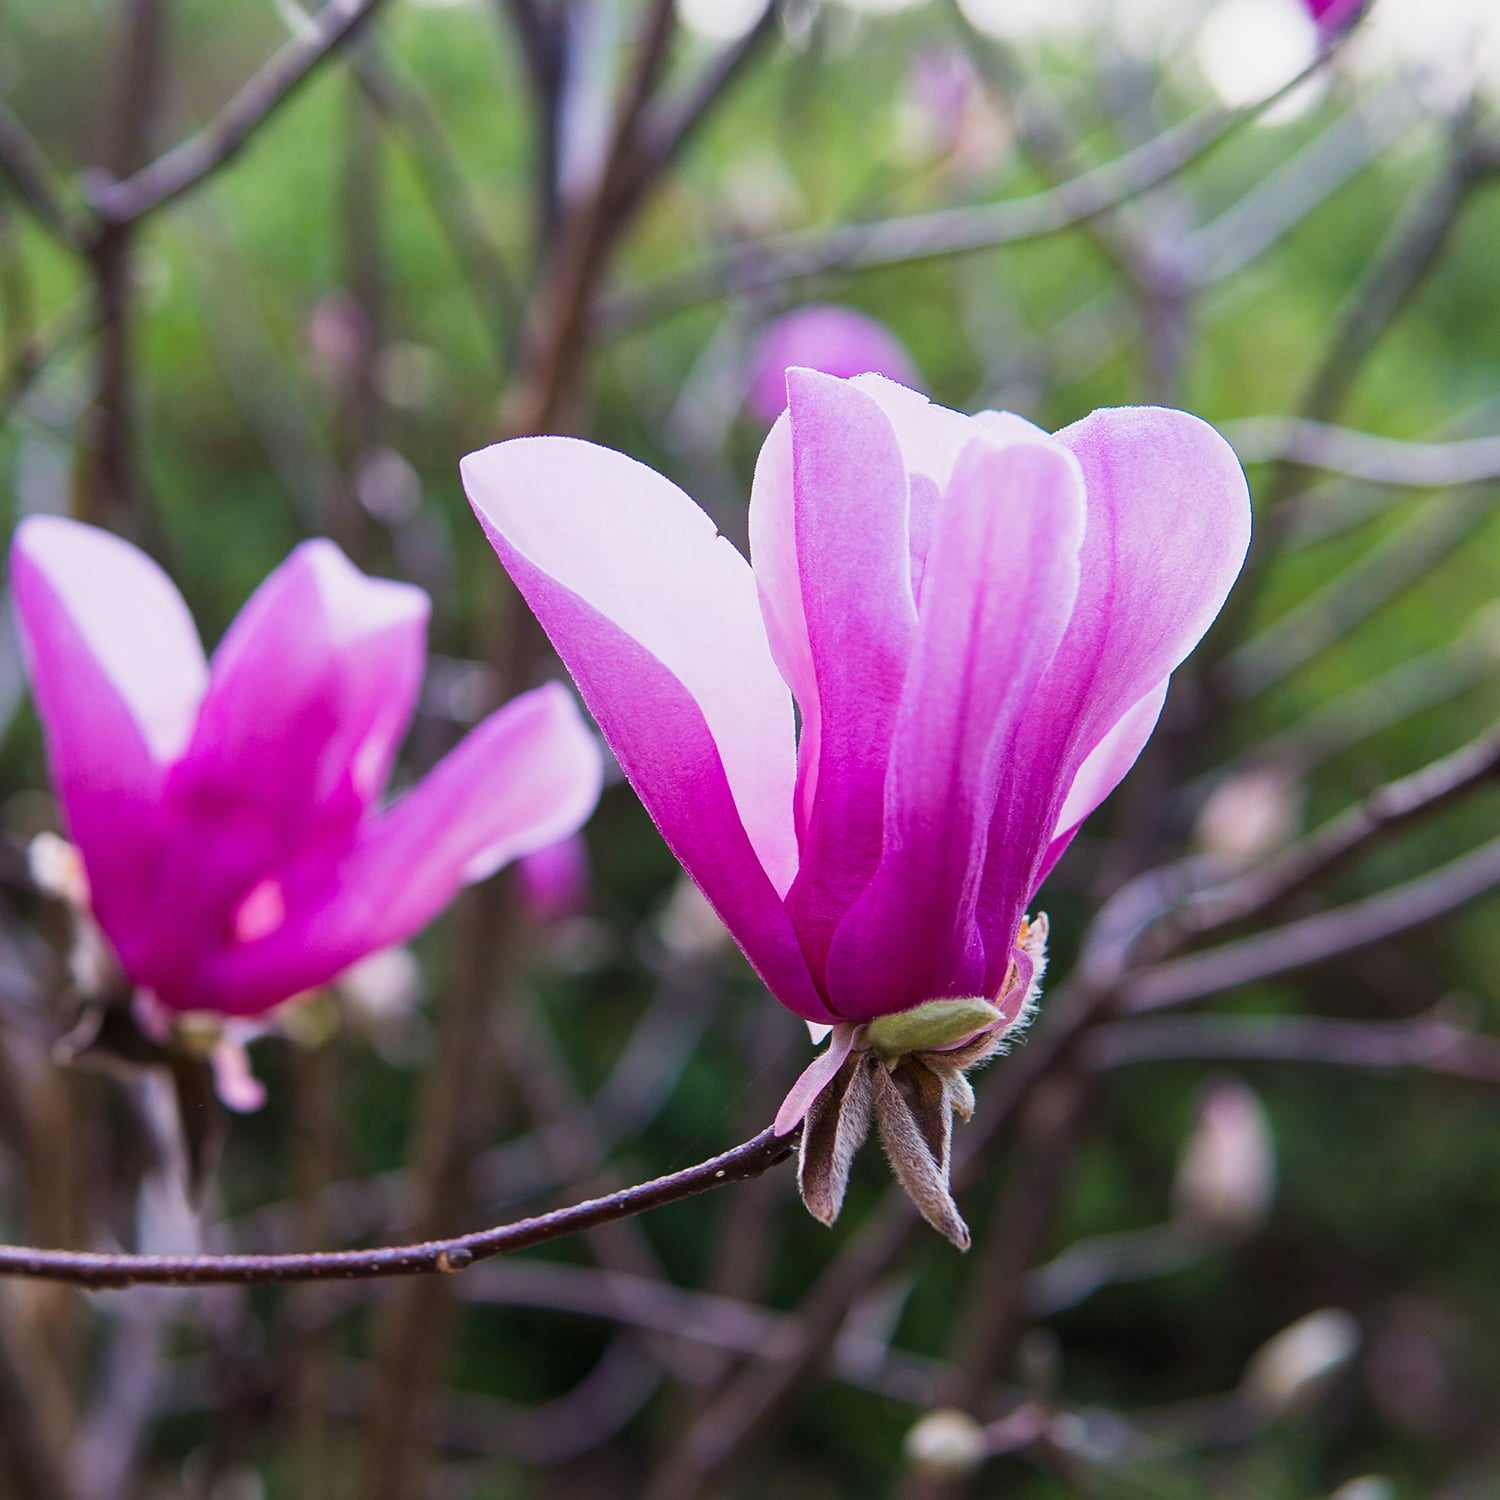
(930, 1027)
(905, 1074)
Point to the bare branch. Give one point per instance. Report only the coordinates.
(1407, 255)
(1316, 939)
(187, 164)
(100, 1269)
(1384, 812)
(1399, 560)
(1430, 1043)
(1364, 455)
(957, 231)
(1296, 189)
(24, 165)
(667, 128)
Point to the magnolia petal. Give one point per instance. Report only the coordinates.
(1105, 768)
(312, 689)
(814, 1078)
(931, 436)
(117, 672)
(611, 556)
(822, 336)
(309, 695)
(778, 582)
(855, 570)
(1001, 580)
(526, 777)
(1168, 527)
(656, 618)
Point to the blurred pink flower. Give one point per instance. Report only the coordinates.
(226, 812)
(942, 84)
(836, 340)
(1332, 16)
(554, 880)
(977, 622)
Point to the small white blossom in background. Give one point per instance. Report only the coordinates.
(1226, 1180)
(946, 1443)
(1366, 1487)
(1251, 814)
(1293, 1368)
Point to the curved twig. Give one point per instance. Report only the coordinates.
(99, 1269)
(188, 163)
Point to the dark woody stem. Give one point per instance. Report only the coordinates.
(94, 1270)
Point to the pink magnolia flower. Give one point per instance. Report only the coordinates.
(1333, 16)
(823, 336)
(554, 881)
(227, 812)
(977, 621)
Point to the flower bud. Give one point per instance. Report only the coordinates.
(1365, 1487)
(946, 1443)
(688, 926)
(1251, 813)
(1292, 1369)
(1226, 1179)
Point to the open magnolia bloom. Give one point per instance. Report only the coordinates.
(977, 621)
(227, 813)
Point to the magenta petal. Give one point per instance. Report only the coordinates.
(117, 672)
(554, 880)
(309, 695)
(931, 436)
(656, 618)
(1168, 526)
(526, 777)
(855, 568)
(1104, 769)
(312, 689)
(813, 1079)
(778, 581)
(1001, 580)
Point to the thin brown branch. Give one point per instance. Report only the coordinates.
(1430, 1043)
(1316, 939)
(1397, 562)
(443, 183)
(667, 129)
(100, 1269)
(926, 236)
(187, 164)
(1364, 455)
(1405, 258)
(24, 165)
(1297, 188)
(1384, 812)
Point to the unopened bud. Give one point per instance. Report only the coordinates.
(1226, 1179)
(1293, 1367)
(1251, 813)
(948, 1443)
(1366, 1487)
(379, 996)
(688, 926)
(383, 986)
